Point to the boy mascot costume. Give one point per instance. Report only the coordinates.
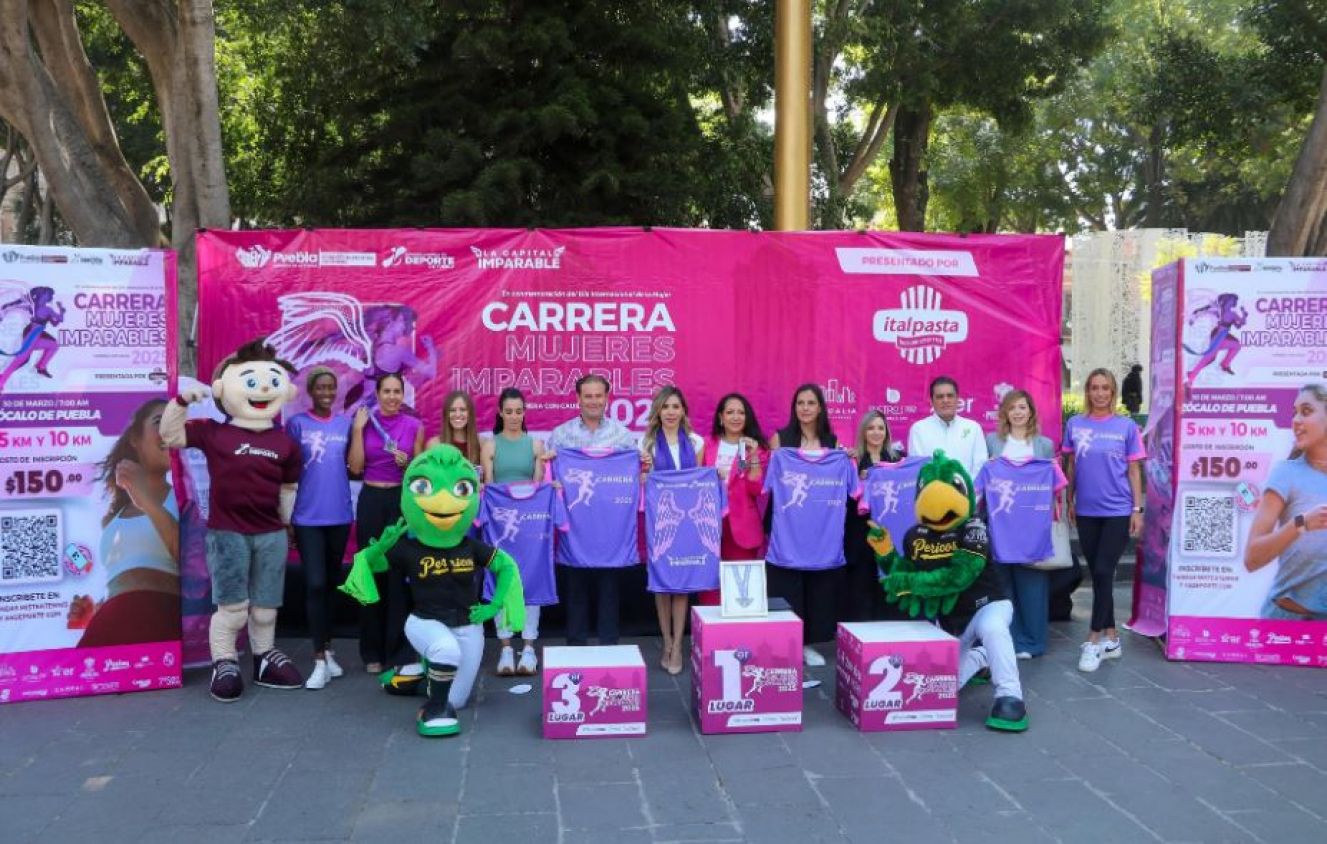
(445, 567)
(254, 468)
(941, 573)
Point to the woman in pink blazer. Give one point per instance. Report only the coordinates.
(737, 448)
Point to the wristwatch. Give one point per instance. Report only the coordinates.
(1138, 510)
(1300, 524)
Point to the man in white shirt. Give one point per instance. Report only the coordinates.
(945, 430)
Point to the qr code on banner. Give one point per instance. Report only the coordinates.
(1208, 525)
(30, 546)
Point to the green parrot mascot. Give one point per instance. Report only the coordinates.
(940, 573)
(445, 567)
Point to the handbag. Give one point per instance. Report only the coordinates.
(1062, 555)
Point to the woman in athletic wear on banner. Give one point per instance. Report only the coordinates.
(140, 539)
(668, 444)
(383, 441)
(513, 456)
(322, 517)
(1018, 437)
(738, 450)
(1291, 522)
(1103, 455)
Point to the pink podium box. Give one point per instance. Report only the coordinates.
(594, 692)
(897, 675)
(746, 673)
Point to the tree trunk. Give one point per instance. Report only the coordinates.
(1300, 224)
(907, 169)
(99, 196)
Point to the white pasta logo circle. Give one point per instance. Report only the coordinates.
(920, 328)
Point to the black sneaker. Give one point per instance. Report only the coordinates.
(1008, 715)
(275, 671)
(227, 684)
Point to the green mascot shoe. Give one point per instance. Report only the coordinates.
(402, 682)
(1008, 715)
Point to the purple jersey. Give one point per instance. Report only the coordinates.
(808, 493)
(684, 512)
(889, 494)
(323, 497)
(521, 518)
(1102, 449)
(1020, 504)
(601, 489)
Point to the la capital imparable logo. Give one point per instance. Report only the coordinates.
(921, 328)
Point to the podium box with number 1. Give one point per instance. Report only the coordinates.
(746, 673)
(897, 675)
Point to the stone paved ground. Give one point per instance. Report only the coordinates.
(1143, 750)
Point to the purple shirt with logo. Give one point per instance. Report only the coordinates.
(379, 462)
(684, 512)
(1020, 505)
(889, 494)
(521, 518)
(601, 489)
(324, 490)
(808, 493)
(1102, 449)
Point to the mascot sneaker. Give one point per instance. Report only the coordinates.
(275, 671)
(227, 684)
(334, 668)
(1091, 658)
(529, 663)
(1008, 714)
(1111, 649)
(506, 662)
(438, 721)
(406, 681)
(320, 676)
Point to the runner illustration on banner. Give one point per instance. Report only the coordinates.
(1222, 339)
(34, 311)
(333, 329)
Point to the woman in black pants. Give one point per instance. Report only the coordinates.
(383, 441)
(321, 522)
(1103, 454)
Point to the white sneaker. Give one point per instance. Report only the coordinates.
(506, 662)
(334, 668)
(529, 662)
(1111, 649)
(1091, 658)
(1022, 655)
(812, 657)
(320, 677)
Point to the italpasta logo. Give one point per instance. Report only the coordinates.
(920, 328)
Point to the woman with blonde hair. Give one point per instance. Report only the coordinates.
(863, 599)
(669, 443)
(1018, 437)
(459, 428)
(1102, 460)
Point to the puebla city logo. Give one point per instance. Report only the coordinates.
(920, 328)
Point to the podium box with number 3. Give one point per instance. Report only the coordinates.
(746, 673)
(594, 692)
(897, 675)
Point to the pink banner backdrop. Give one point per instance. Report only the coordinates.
(1250, 335)
(871, 317)
(89, 560)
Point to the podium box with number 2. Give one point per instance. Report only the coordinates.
(897, 675)
(594, 692)
(746, 673)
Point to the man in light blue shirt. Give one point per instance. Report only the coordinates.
(591, 429)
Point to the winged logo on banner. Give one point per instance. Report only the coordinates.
(322, 327)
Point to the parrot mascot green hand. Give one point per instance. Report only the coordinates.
(944, 553)
(439, 502)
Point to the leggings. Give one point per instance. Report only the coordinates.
(1103, 539)
(382, 625)
(321, 549)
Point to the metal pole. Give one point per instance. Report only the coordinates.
(792, 115)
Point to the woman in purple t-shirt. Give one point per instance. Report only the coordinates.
(1102, 459)
(321, 521)
(382, 443)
